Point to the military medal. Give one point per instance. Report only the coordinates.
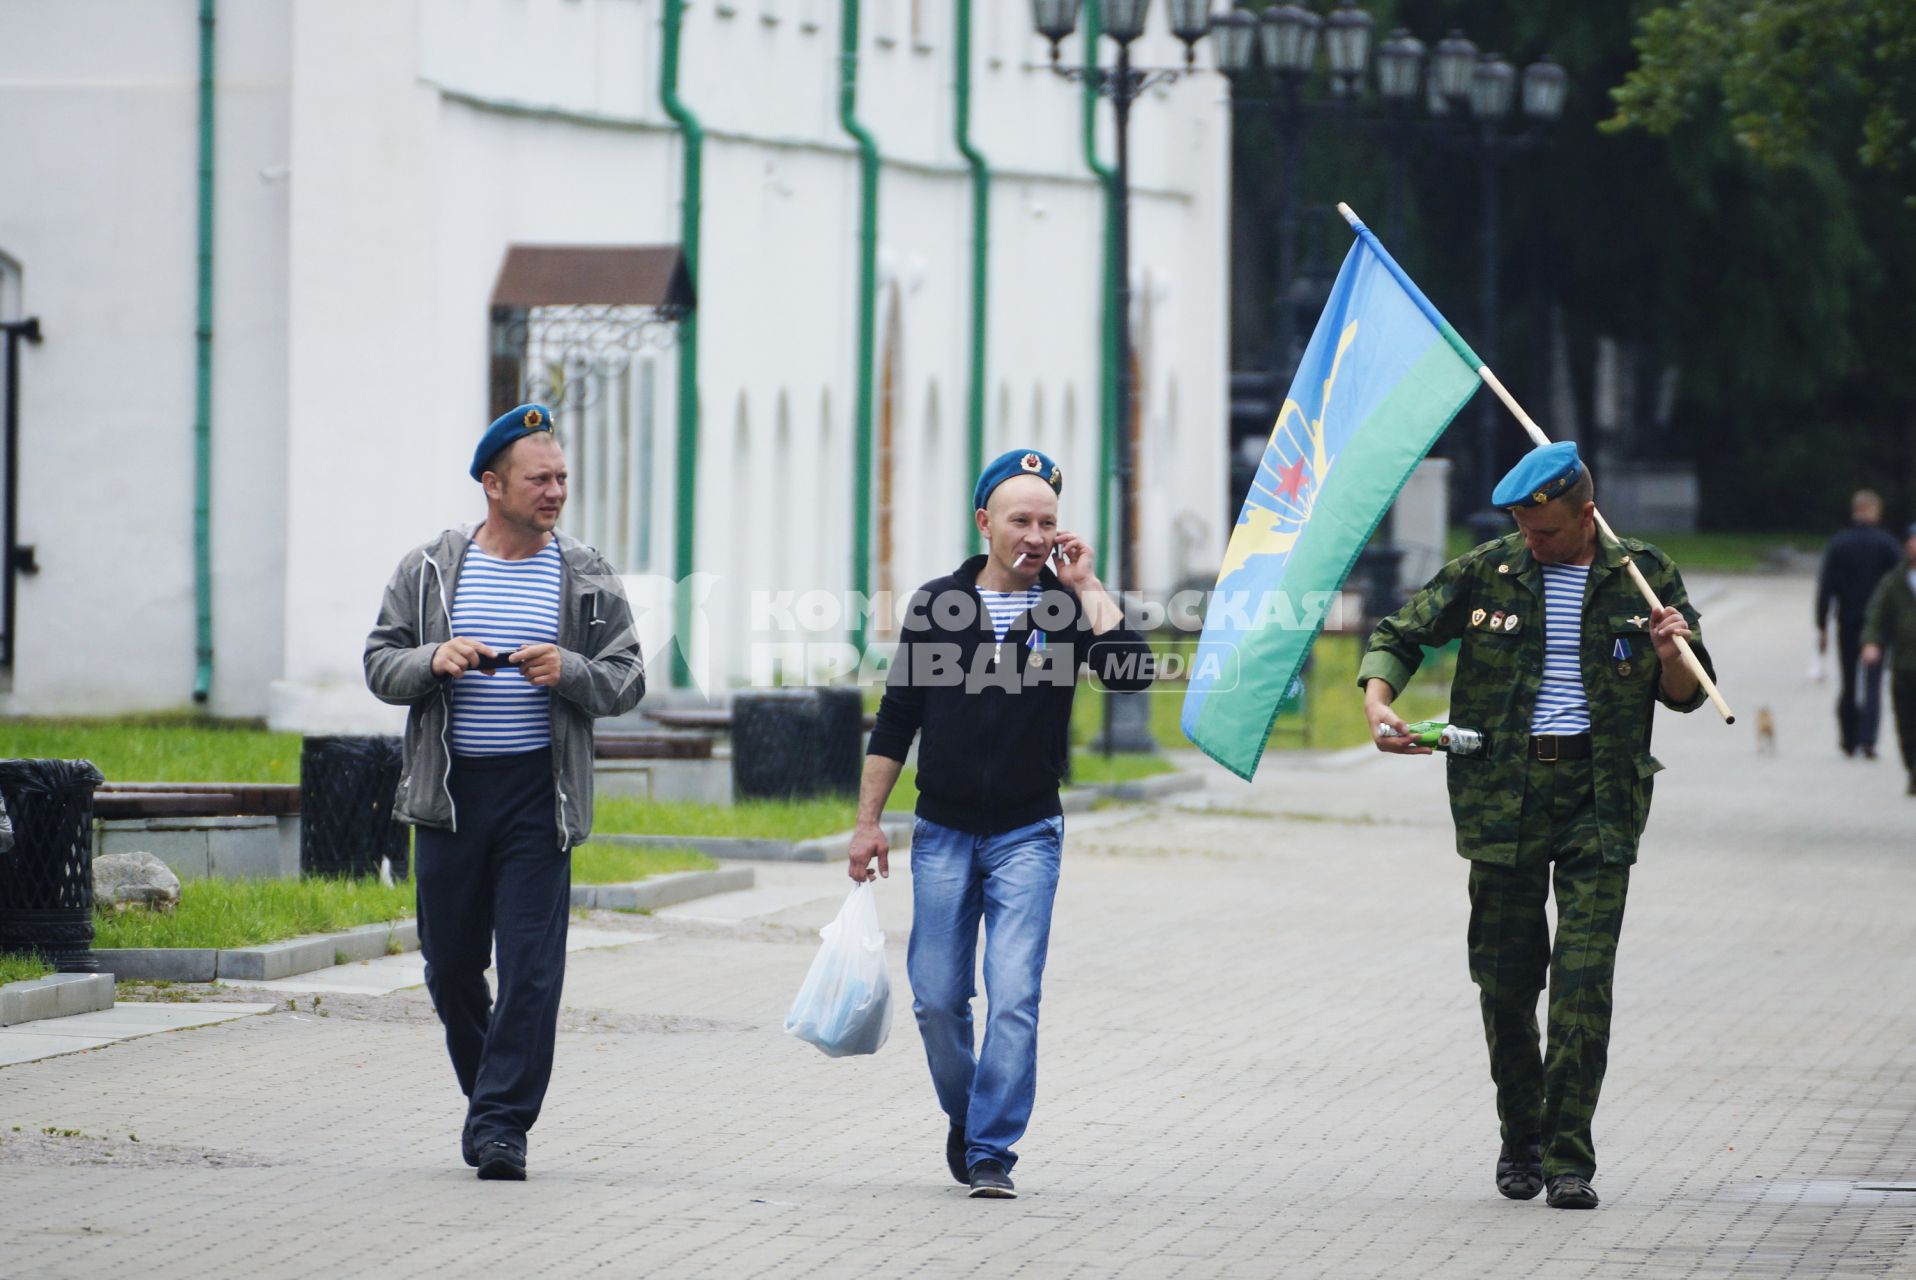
(1621, 652)
(1510, 623)
(1036, 644)
(1503, 568)
(1477, 618)
(1496, 620)
(1639, 622)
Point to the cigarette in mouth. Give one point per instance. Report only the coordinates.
(1020, 560)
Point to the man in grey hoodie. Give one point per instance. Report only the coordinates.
(504, 641)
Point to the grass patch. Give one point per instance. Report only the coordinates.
(618, 863)
(1712, 552)
(246, 913)
(16, 966)
(1089, 768)
(749, 819)
(1332, 717)
(171, 748)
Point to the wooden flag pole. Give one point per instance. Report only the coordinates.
(1636, 575)
(1536, 433)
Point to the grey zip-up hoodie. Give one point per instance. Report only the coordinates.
(601, 673)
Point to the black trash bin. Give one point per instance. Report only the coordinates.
(841, 759)
(777, 741)
(346, 787)
(46, 881)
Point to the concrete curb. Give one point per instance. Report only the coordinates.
(737, 849)
(1155, 787)
(266, 963)
(662, 891)
(276, 960)
(59, 995)
(897, 825)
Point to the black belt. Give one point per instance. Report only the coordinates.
(1552, 747)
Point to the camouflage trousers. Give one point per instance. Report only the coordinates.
(1548, 1095)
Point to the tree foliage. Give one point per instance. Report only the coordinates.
(1791, 78)
(1777, 285)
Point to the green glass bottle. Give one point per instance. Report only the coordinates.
(1447, 737)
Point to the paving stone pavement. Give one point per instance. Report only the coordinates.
(1261, 1057)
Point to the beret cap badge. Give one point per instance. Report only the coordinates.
(1016, 462)
(513, 425)
(1540, 476)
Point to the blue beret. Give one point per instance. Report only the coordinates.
(1543, 473)
(1018, 462)
(513, 424)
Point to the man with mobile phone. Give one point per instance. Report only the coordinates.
(983, 677)
(505, 640)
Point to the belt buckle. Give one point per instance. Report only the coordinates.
(1554, 755)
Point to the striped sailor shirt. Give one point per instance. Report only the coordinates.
(506, 604)
(1005, 606)
(1561, 704)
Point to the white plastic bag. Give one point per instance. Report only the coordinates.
(844, 1006)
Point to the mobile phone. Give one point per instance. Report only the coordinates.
(491, 662)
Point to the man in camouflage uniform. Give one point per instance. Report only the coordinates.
(1536, 810)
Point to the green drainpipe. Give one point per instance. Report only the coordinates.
(203, 381)
(980, 257)
(685, 526)
(1107, 294)
(867, 299)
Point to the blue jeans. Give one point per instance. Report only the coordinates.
(1009, 880)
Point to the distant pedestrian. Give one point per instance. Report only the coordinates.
(504, 640)
(1853, 563)
(983, 677)
(1890, 624)
(1561, 667)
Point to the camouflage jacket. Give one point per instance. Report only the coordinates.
(1492, 599)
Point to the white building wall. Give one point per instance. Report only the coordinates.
(386, 154)
(98, 206)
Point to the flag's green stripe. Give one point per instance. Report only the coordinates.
(1365, 479)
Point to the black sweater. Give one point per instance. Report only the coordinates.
(1855, 561)
(995, 718)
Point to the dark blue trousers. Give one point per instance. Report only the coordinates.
(500, 882)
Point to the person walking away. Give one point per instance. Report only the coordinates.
(1853, 563)
(1889, 625)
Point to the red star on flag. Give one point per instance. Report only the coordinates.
(1293, 479)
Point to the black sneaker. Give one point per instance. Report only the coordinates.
(501, 1162)
(955, 1155)
(467, 1150)
(989, 1181)
(1520, 1170)
(1571, 1192)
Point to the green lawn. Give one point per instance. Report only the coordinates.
(749, 819)
(617, 864)
(182, 748)
(1714, 552)
(246, 913)
(1332, 715)
(16, 967)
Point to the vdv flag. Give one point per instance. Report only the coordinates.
(1382, 377)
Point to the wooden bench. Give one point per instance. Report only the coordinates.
(195, 799)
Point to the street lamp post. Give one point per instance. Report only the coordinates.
(1461, 89)
(1125, 729)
